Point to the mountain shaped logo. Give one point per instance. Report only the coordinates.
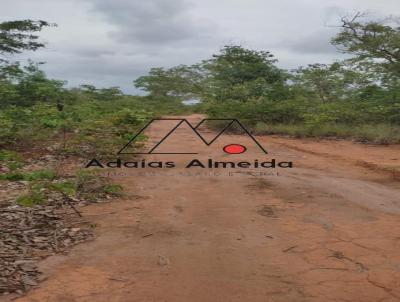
(230, 149)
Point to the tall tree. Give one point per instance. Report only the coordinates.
(180, 81)
(242, 74)
(329, 82)
(27, 85)
(371, 42)
(17, 36)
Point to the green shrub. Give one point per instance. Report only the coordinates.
(42, 174)
(66, 187)
(113, 189)
(28, 176)
(6, 155)
(12, 176)
(31, 199)
(379, 134)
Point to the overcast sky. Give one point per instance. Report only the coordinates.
(112, 42)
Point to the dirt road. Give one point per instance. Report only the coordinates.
(326, 230)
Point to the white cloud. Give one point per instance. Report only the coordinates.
(109, 43)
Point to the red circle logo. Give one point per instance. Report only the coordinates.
(235, 149)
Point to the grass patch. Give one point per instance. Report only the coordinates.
(378, 134)
(12, 176)
(31, 199)
(91, 186)
(86, 186)
(66, 187)
(29, 176)
(113, 189)
(12, 160)
(39, 175)
(6, 155)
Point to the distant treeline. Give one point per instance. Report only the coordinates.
(38, 112)
(358, 97)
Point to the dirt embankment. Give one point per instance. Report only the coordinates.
(326, 230)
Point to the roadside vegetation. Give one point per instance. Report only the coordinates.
(83, 120)
(47, 132)
(357, 98)
(37, 112)
(44, 123)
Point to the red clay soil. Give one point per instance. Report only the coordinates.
(326, 230)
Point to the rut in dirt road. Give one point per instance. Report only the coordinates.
(326, 230)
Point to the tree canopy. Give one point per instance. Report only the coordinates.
(377, 42)
(17, 36)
